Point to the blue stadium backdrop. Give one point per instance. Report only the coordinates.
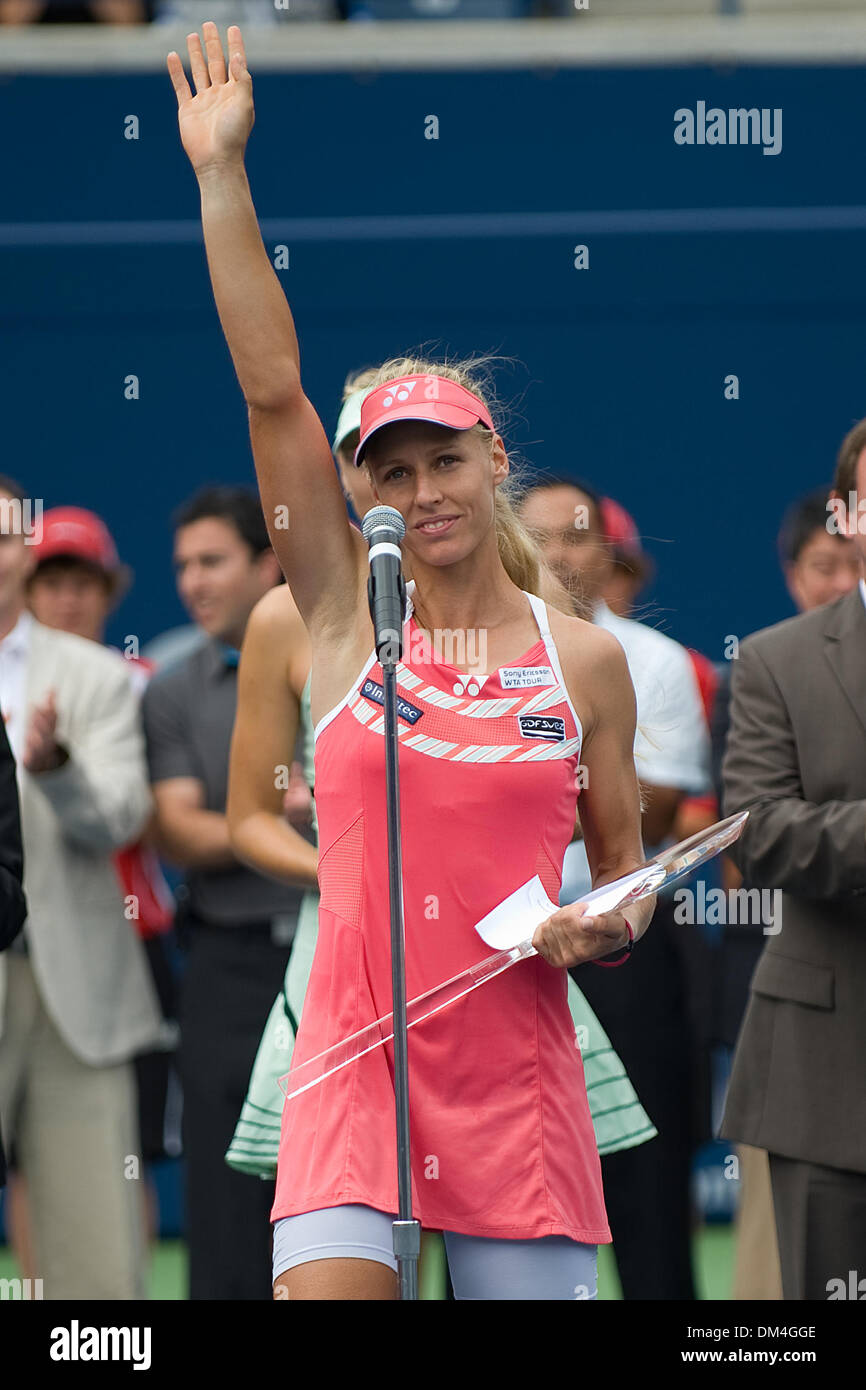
(466, 241)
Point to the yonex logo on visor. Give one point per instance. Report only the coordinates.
(436, 399)
(400, 392)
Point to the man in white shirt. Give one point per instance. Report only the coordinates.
(672, 750)
(644, 1008)
(76, 999)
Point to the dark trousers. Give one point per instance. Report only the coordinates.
(648, 1008)
(821, 1228)
(153, 1070)
(231, 977)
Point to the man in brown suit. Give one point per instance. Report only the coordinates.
(796, 759)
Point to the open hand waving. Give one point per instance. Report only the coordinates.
(215, 123)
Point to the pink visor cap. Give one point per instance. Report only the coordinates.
(423, 397)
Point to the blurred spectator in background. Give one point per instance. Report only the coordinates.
(249, 14)
(77, 582)
(235, 925)
(819, 566)
(354, 481)
(631, 569)
(173, 645)
(697, 813)
(78, 579)
(796, 759)
(652, 1010)
(79, 1001)
(13, 904)
(252, 14)
(75, 11)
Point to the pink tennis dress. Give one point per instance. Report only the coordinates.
(502, 1139)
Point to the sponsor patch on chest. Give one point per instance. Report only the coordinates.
(372, 690)
(546, 726)
(521, 677)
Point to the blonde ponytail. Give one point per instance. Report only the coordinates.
(522, 556)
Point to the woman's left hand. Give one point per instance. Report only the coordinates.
(571, 936)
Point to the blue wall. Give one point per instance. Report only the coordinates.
(621, 367)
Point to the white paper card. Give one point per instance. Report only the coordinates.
(514, 919)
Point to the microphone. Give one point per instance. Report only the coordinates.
(383, 528)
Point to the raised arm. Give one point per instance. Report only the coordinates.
(301, 495)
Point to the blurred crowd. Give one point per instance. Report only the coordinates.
(260, 13)
(137, 990)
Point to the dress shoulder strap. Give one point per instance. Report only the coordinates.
(539, 609)
(410, 606)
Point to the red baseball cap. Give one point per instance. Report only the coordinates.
(619, 526)
(621, 532)
(420, 397)
(80, 534)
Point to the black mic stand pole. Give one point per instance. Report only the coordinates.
(406, 1230)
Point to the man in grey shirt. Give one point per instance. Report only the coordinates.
(235, 925)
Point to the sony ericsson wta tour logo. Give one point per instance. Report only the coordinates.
(738, 126)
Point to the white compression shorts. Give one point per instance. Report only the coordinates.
(546, 1268)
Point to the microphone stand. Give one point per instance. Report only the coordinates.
(406, 1231)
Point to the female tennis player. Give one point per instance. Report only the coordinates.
(504, 1156)
(273, 709)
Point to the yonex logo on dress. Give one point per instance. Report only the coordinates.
(461, 687)
(401, 391)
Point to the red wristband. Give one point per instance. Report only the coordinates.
(626, 952)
